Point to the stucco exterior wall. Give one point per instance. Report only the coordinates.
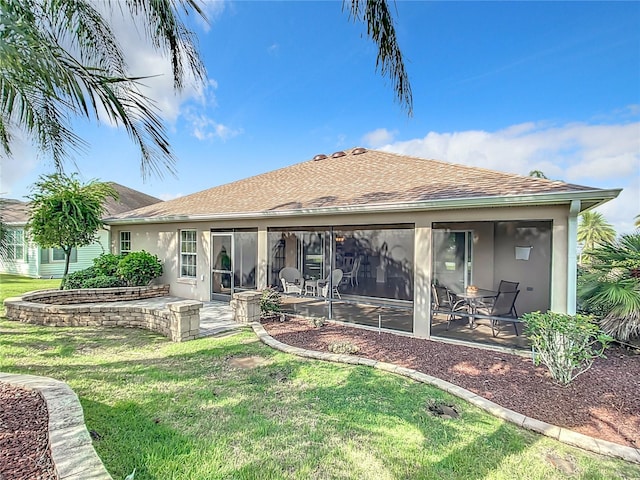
(162, 239)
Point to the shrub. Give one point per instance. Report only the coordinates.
(566, 344)
(343, 347)
(103, 281)
(107, 264)
(77, 279)
(139, 268)
(270, 302)
(318, 321)
(610, 287)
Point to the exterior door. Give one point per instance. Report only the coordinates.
(222, 266)
(452, 259)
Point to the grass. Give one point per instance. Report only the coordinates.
(14, 285)
(195, 411)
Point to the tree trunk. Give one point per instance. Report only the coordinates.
(67, 259)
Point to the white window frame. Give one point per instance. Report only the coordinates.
(10, 245)
(188, 253)
(124, 241)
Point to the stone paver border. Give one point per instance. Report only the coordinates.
(72, 452)
(564, 435)
(177, 318)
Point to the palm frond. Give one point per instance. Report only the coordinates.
(377, 17)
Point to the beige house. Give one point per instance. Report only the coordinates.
(393, 224)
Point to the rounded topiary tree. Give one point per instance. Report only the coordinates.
(139, 268)
(66, 213)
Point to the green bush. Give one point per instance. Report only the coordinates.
(139, 268)
(107, 264)
(566, 344)
(270, 302)
(103, 281)
(77, 279)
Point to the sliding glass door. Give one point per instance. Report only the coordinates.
(452, 251)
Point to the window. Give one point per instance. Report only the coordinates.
(125, 243)
(188, 249)
(57, 255)
(14, 245)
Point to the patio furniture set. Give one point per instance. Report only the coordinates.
(294, 283)
(476, 303)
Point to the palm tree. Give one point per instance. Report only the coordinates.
(637, 224)
(593, 231)
(60, 59)
(610, 286)
(537, 174)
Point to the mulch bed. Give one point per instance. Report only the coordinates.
(603, 402)
(24, 435)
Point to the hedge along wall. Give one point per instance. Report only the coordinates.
(178, 320)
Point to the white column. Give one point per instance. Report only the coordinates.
(572, 260)
(263, 258)
(422, 282)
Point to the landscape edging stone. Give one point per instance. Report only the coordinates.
(564, 435)
(72, 452)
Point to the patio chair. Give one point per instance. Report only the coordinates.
(503, 306)
(505, 286)
(292, 280)
(353, 274)
(336, 278)
(444, 300)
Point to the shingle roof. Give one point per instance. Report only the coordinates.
(17, 212)
(355, 179)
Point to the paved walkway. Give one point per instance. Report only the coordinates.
(215, 318)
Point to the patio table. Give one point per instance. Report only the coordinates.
(311, 287)
(472, 297)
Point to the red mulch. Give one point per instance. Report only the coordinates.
(603, 402)
(24, 435)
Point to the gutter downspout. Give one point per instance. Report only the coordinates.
(572, 252)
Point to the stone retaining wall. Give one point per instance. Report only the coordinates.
(89, 295)
(177, 320)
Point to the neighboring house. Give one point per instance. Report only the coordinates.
(23, 257)
(405, 222)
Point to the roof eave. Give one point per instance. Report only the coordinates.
(593, 198)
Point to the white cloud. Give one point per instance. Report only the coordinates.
(170, 196)
(205, 128)
(17, 167)
(213, 9)
(622, 211)
(273, 49)
(143, 60)
(605, 156)
(378, 137)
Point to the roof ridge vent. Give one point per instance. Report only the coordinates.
(320, 156)
(358, 151)
(338, 154)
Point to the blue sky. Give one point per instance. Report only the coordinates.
(510, 86)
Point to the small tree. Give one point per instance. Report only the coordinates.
(65, 213)
(566, 344)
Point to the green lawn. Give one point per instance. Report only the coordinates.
(196, 411)
(14, 285)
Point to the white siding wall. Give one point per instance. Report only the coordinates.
(85, 258)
